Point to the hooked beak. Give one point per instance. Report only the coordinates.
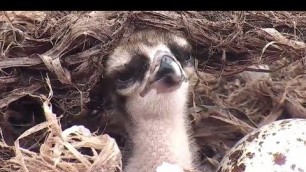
(166, 74)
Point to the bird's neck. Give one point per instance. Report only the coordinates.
(160, 140)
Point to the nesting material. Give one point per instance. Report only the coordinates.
(71, 47)
(74, 149)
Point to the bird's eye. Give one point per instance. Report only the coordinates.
(125, 77)
(188, 57)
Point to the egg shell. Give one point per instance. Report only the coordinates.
(167, 167)
(276, 147)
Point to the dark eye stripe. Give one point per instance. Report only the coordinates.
(182, 54)
(132, 72)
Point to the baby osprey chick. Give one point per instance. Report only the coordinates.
(149, 71)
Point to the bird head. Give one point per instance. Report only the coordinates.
(149, 70)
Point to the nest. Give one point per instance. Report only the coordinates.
(63, 53)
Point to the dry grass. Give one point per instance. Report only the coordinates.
(74, 149)
(71, 47)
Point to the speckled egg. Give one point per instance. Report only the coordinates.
(276, 147)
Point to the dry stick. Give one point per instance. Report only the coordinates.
(36, 128)
(51, 122)
(30, 131)
(56, 127)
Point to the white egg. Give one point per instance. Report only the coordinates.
(276, 147)
(167, 167)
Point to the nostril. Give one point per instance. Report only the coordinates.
(166, 67)
(167, 59)
(166, 63)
